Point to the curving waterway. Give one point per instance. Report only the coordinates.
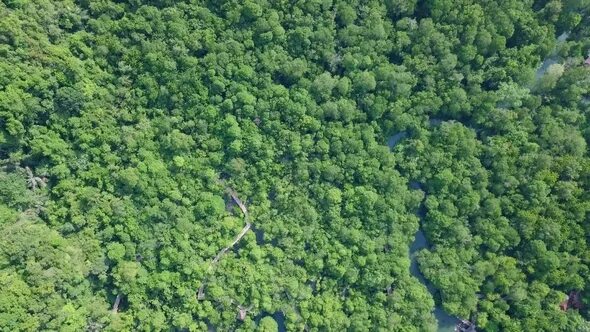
(445, 322)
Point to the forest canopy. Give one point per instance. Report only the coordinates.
(224, 165)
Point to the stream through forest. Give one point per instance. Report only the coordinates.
(445, 322)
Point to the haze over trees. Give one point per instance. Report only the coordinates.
(123, 124)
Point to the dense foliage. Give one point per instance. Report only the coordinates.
(122, 124)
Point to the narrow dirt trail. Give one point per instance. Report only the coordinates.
(217, 258)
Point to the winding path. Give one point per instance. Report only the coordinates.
(236, 199)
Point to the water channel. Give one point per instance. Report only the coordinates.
(445, 322)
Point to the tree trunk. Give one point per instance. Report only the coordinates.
(117, 302)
